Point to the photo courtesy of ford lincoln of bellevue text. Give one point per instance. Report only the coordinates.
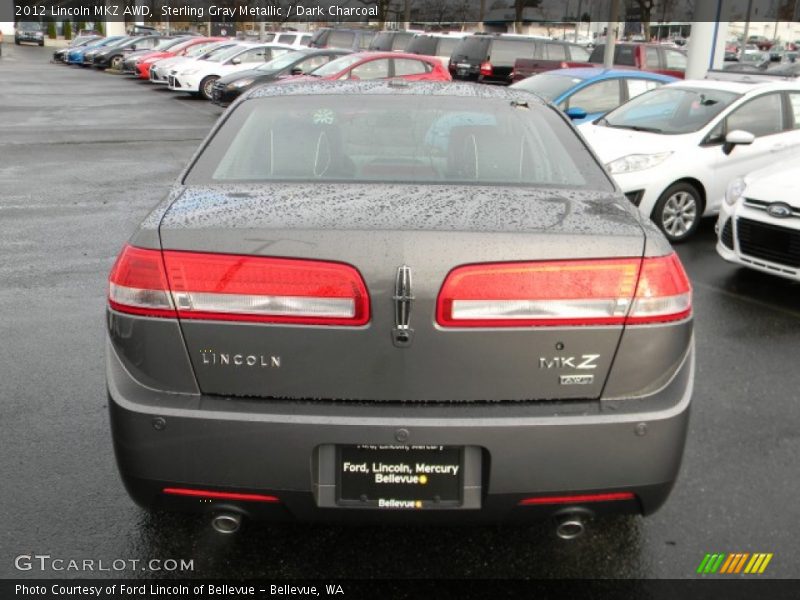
(471, 298)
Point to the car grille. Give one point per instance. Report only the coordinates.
(727, 234)
(769, 242)
(761, 205)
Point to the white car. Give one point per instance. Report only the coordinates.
(199, 76)
(759, 222)
(160, 70)
(674, 150)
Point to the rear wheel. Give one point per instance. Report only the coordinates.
(678, 210)
(207, 86)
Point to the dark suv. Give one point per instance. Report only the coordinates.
(349, 39)
(29, 31)
(490, 58)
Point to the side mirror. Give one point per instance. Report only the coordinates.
(236, 60)
(297, 71)
(576, 113)
(735, 138)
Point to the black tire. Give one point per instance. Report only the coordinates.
(41, 44)
(678, 211)
(16, 42)
(115, 63)
(207, 85)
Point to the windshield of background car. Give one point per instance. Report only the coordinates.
(547, 85)
(225, 53)
(397, 138)
(282, 61)
(670, 110)
(339, 64)
(28, 26)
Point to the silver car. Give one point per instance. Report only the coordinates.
(381, 301)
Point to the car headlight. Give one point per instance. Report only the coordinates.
(636, 162)
(735, 190)
(242, 83)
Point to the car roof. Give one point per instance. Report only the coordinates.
(737, 87)
(379, 87)
(601, 73)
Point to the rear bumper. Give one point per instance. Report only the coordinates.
(274, 448)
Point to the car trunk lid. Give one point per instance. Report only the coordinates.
(378, 230)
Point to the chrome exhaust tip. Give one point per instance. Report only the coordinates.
(570, 527)
(226, 522)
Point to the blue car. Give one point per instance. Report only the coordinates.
(75, 56)
(588, 93)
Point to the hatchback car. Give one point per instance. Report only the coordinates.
(198, 76)
(384, 301)
(674, 150)
(759, 222)
(587, 94)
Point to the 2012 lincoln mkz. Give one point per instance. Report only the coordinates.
(398, 302)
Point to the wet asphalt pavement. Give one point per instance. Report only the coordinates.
(83, 157)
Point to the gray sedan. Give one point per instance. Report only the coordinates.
(398, 302)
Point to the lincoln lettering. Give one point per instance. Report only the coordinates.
(240, 360)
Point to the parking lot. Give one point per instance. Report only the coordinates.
(84, 155)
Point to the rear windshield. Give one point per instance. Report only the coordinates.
(548, 85)
(423, 44)
(397, 138)
(474, 48)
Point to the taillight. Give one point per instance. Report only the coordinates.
(566, 293)
(138, 284)
(233, 287)
(486, 68)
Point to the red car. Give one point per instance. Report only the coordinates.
(144, 62)
(379, 65)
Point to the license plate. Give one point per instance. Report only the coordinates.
(400, 477)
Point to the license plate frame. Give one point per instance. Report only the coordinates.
(400, 477)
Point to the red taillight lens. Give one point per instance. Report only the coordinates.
(567, 293)
(138, 284)
(248, 288)
(663, 293)
(486, 68)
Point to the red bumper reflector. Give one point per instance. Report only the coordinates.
(220, 495)
(578, 498)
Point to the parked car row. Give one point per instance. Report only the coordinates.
(672, 146)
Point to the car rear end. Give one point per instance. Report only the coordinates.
(352, 340)
(489, 58)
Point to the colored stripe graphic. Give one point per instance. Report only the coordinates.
(734, 563)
